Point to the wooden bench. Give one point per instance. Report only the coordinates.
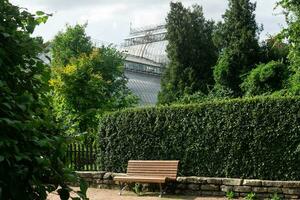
(149, 171)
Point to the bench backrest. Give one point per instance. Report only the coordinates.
(158, 168)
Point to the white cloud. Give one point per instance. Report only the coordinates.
(103, 13)
(109, 20)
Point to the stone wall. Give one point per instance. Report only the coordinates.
(204, 186)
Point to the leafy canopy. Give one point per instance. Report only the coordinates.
(191, 52)
(89, 86)
(266, 79)
(240, 48)
(292, 34)
(86, 81)
(71, 43)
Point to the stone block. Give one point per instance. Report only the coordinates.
(85, 174)
(242, 189)
(88, 179)
(216, 181)
(177, 191)
(291, 184)
(260, 189)
(117, 174)
(226, 188)
(108, 182)
(232, 181)
(293, 191)
(262, 196)
(212, 193)
(99, 175)
(181, 179)
(287, 196)
(108, 176)
(274, 190)
(181, 186)
(272, 183)
(207, 193)
(210, 187)
(241, 194)
(99, 181)
(252, 182)
(193, 187)
(190, 192)
(195, 179)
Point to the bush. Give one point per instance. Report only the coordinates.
(266, 78)
(247, 138)
(217, 93)
(31, 149)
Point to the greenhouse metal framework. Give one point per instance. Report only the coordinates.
(146, 59)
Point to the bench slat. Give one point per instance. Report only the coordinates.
(140, 179)
(151, 170)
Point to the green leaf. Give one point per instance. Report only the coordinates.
(83, 186)
(39, 13)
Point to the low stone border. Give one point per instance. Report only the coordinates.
(205, 186)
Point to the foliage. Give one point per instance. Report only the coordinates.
(273, 49)
(137, 188)
(275, 197)
(191, 52)
(31, 149)
(265, 79)
(239, 39)
(217, 93)
(230, 195)
(86, 82)
(292, 34)
(250, 196)
(89, 86)
(244, 138)
(70, 44)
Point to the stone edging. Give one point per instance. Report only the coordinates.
(205, 186)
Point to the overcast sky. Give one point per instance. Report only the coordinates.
(109, 20)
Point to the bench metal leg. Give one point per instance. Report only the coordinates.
(122, 187)
(161, 191)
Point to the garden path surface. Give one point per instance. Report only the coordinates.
(104, 194)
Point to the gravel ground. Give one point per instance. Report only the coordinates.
(102, 194)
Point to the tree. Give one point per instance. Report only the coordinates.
(70, 44)
(191, 52)
(292, 34)
(272, 49)
(266, 79)
(91, 84)
(31, 149)
(240, 45)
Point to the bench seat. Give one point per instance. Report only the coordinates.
(140, 179)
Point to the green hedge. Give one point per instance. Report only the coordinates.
(246, 138)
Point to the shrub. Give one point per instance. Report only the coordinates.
(266, 78)
(247, 138)
(31, 149)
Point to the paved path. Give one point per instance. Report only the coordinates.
(102, 194)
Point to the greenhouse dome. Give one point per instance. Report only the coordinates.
(146, 59)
